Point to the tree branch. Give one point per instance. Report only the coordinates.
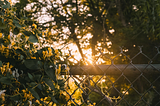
(120, 12)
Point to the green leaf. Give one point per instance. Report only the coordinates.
(40, 87)
(30, 76)
(27, 33)
(33, 38)
(6, 6)
(42, 102)
(37, 77)
(61, 81)
(6, 1)
(49, 83)
(15, 97)
(40, 53)
(15, 21)
(40, 34)
(61, 84)
(5, 80)
(1, 40)
(46, 66)
(21, 57)
(2, 25)
(33, 84)
(0, 63)
(16, 31)
(51, 73)
(1, 3)
(34, 93)
(33, 64)
(53, 99)
(9, 75)
(18, 25)
(19, 51)
(26, 103)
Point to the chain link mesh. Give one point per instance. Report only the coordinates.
(122, 80)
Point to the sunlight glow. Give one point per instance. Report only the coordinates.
(88, 36)
(89, 61)
(75, 55)
(88, 55)
(111, 31)
(103, 80)
(88, 58)
(99, 44)
(100, 61)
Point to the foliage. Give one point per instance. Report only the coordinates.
(28, 73)
(132, 22)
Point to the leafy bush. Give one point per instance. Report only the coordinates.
(28, 73)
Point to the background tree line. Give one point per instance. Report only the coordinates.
(134, 23)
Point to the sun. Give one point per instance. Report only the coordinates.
(76, 56)
(88, 56)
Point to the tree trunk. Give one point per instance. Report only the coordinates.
(122, 18)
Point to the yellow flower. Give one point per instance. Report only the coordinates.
(57, 56)
(0, 35)
(59, 69)
(3, 70)
(2, 47)
(23, 90)
(38, 102)
(49, 33)
(27, 95)
(33, 32)
(10, 1)
(7, 65)
(34, 25)
(6, 68)
(2, 94)
(5, 20)
(46, 30)
(12, 43)
(30, 96)
(42, 33)
(33, 57)
(45, 54)
(50, 51)
(8, 36)
(94, 103)
(56, 51)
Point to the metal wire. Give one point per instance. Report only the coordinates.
(127, 84)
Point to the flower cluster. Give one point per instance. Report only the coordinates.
(27, 95)
(47, 53)
(6, 68)
(2, 95)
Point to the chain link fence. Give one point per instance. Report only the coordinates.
(124, 79)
